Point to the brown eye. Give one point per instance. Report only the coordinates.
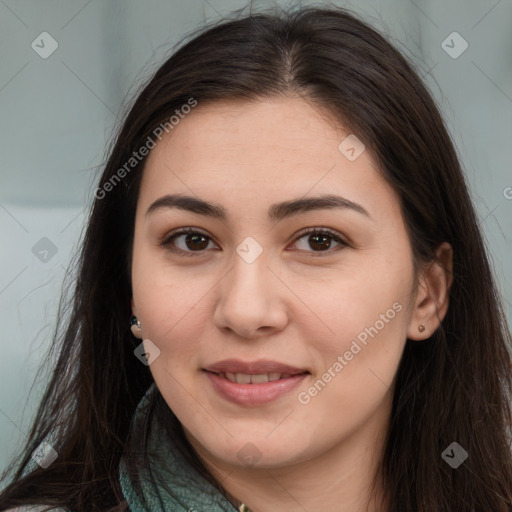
(195, 241)
(190, 241)
(320, 240)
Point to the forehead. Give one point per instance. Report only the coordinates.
(285, 127)
(271, 149)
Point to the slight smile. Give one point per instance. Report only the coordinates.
(253, 383)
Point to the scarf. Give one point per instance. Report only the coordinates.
(180, 488)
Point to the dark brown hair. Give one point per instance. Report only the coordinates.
(455, 387)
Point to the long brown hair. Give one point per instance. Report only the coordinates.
(457, 386)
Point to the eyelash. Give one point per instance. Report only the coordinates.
(167, 241)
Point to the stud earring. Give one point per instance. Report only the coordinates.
(135, 325)
(421, 328)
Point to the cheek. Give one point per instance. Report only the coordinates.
(365, 318)
(366, 345)
(357, 369)
(170, 304)
(357, 303)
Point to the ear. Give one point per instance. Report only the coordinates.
(433, 295)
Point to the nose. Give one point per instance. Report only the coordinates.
(252, 301)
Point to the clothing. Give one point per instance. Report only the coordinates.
(180, 487)
(34, 508)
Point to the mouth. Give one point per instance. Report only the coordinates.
(260, 369)
(256, 383)
(259, 378)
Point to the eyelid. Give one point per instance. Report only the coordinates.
(321, 229)
(335, 235)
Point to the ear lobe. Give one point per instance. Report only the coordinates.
(432, 300)
(136, 330)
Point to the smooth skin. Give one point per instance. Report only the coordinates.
(296, 303)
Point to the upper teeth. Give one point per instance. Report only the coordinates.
(244, 378)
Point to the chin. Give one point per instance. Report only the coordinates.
(253, 452)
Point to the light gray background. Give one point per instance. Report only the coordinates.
(58, 113)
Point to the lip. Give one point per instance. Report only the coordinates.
(253, 367)
(253, 394)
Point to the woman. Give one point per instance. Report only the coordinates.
(283, 300)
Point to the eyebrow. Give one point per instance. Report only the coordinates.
(276, 212)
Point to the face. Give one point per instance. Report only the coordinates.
(317, 299)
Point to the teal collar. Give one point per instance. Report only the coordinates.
(180, 488)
